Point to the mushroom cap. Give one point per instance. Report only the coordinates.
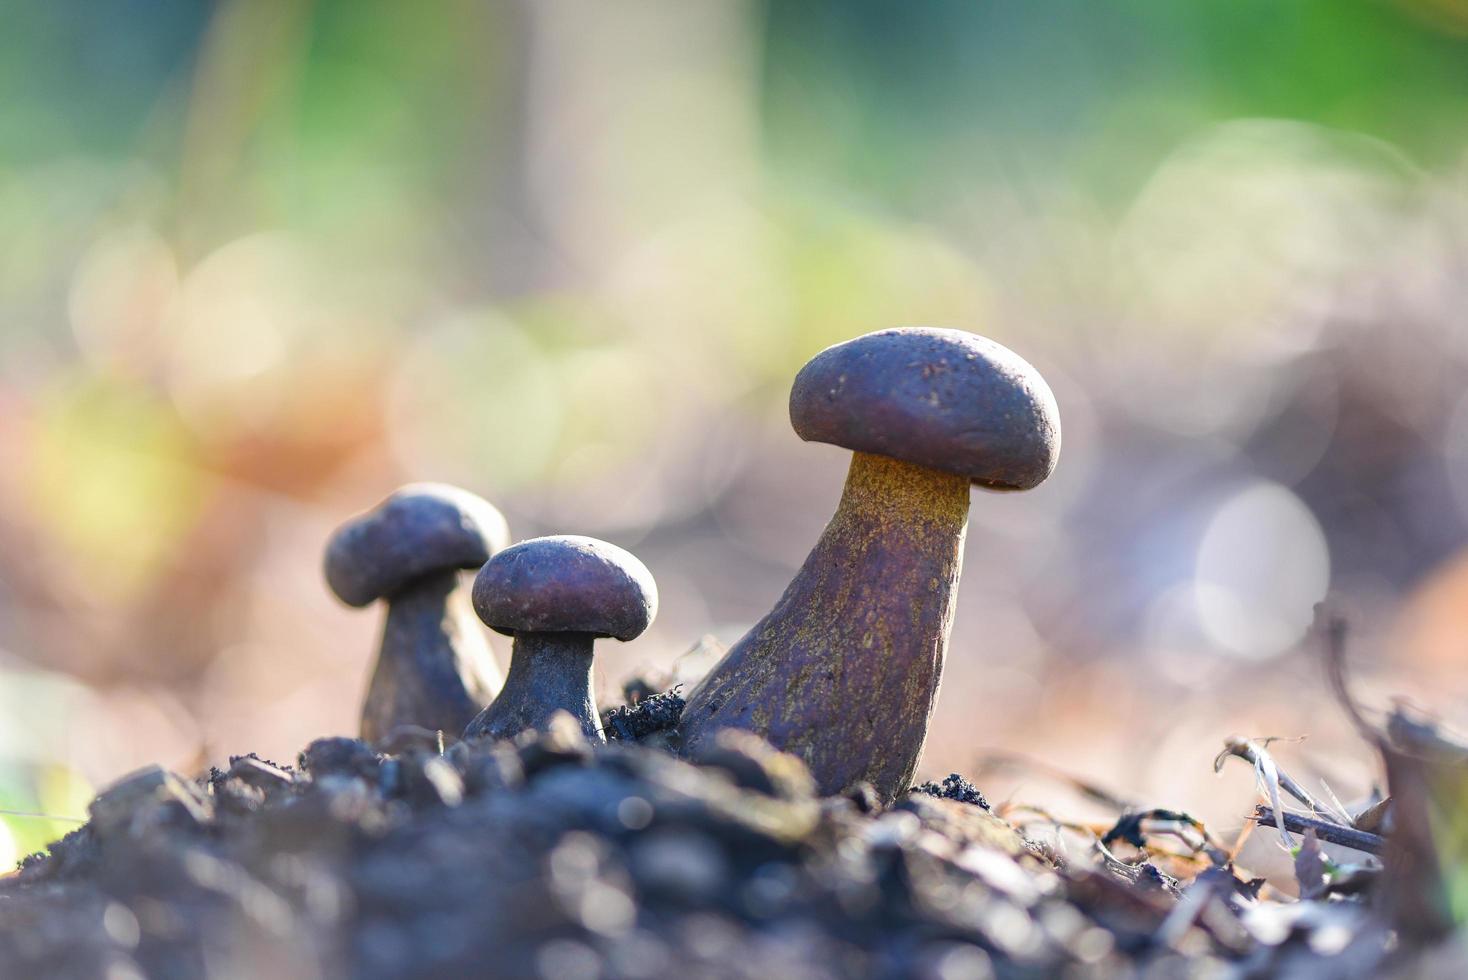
(420, 529)
(566, 583)
(946, 399)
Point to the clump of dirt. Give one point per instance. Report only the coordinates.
(954, 787)
(643, 716)
(552, 857)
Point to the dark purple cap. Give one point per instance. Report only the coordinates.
(946, 399)
(566, 584)
(421, 529)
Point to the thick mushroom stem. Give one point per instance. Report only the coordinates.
(549, 672)
(843, 672)
(434, 666)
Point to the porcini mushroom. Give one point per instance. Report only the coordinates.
(844, 671)
(434, 668)
(556, 596)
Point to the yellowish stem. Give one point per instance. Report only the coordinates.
(844, 671)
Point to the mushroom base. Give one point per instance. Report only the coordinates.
(844, 671)
(549, 672)
(435, 669)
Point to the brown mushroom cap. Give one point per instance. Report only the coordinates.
(420, 529)
(566, 584)
(945, 399)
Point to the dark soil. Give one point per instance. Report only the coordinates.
(644, 715)
(954, 787)
(556, 858)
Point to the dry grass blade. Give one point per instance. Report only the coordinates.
(1271, 776)
(42, 816)
(1014, 813)
(1266, 774)
(990, 760)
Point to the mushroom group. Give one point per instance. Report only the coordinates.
(843, 672)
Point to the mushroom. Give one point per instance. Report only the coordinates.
(435, 668)
(556, 596)
(843, 672)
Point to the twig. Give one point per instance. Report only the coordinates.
(1136, 874)
(1332, 631)
(1357, 840)
(1258, 756)
(1135, 827)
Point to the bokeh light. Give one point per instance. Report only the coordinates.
(1262, 566)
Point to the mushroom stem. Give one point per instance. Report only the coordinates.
(434, 665)
(843, 672)
(549, 672)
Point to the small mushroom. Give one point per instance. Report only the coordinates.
(434, 669)
(843, 672)
(556, 596)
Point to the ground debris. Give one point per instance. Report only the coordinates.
(1358, 840)
(643, 717)
(954, 787)
(553, 856)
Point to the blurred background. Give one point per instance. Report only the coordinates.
(261, 262)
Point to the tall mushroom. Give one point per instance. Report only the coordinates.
(843, 672)
(434, 668)
(556, 596)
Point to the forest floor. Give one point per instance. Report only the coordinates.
(557, 858)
